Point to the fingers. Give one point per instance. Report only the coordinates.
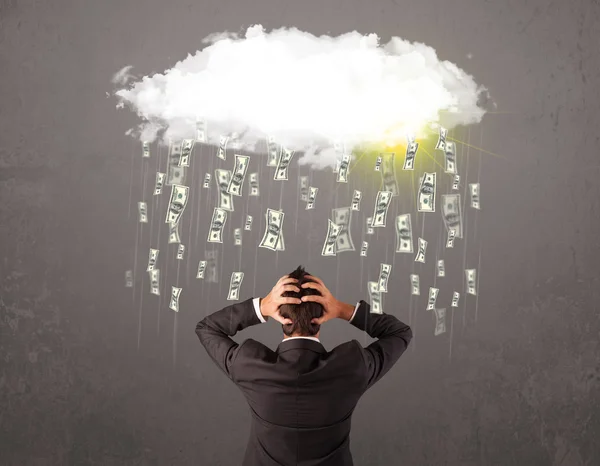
(285, 288)
(288, 301)
(318, 321)
(314, 298)
(316, 279)
(316, 286)
(285, 280)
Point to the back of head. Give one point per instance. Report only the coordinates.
(301, 314)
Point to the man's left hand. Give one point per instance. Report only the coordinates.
(269, 306)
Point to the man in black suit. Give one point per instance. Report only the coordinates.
(301, 396)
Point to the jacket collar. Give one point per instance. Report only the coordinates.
(300, 343)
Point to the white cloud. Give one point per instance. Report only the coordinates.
(305, 91)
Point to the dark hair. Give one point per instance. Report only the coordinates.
(301, 314)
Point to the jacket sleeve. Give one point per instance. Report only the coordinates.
(393, 337)
(215, 330)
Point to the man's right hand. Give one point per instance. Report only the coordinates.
(331, 306)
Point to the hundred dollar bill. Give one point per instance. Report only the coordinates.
(356, 198)
(384, 276)
(375, 298)
(369, 223)
(154, 281)
(215, 234)
(451, 213)
(201, 269)
(235, 283)
(364, 248)
(433, 293)
(177, 203)
(254, 191)
(281, 172)
(175, 173)
(342, 217)
(180, 251)
(427, 193)
(440, 321)
(422, 250)
(388, 173)
(222, 178)
(455, 297)
(152, 258)
(303, 180)
(456, 182)
(381, 208)
(160, 181)
(450, 240)
(404, 237)
(338, 163)
(129, 279)
(146, 149)
(206, 184)
(237, 236)
(248, 225)
(186, 151)
(450, 152)
(274, 231)
(342, 176)
(441, 270)
(312, 194)
(239, 173)
(441, 144)
(143, 211)
(174, 303)
(378, 163)
(222, 150)
(211, 266)
(415, 288)
(174, 233)
(474, 189)
(471, 275)
(330, 245)
(274, 150)
(201, 130)
(411, 152)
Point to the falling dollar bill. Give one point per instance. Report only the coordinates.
(427, 193)
(474, 189)
(450, 153)
(433, 293)
(342, 175)
(415, 288)
(129, 279)
(381, 208)
(364, 249)
(174, 233)
(404, 237)
(330, 245)
(222, 150)
(201, 269)
(356, 198)
(440, 321)
(342, 217)
(219, 217)
(273, 237)
(369, 224)
(312, 195)
(174, 303)
(175, 173)
(186, 151)
(154, 281)
(384, 276)
(177, 203)
(160, 181)
(201, 130)
(471, 283)
(388, 174)
(411, 152)
(235, 283)
(422, 250)
(455, 182)
(375, 298)
(222, 178)
(211, 266)
(237, 236)
(207, 178)
(254, 191)
(146, 149)
(441, 143)
(248, 225)
(455, 297)
(452, 214)
(281, 172)
(450, 240)
(180, 251)
(273, 154)
(239, 173)
(378, 163)
(441, 270)
(143, 211)
(152, 258)
(303, 180)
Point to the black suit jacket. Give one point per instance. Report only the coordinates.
(301, 396)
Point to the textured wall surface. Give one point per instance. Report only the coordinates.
(91, 375)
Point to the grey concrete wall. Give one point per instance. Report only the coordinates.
(93, 374)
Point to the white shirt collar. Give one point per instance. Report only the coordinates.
(306, 338)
